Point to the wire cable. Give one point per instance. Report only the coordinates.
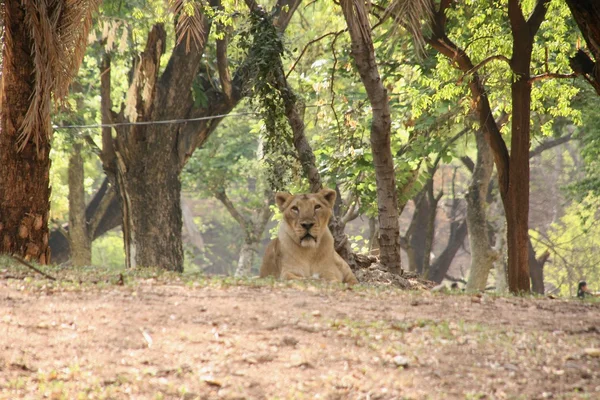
(163, 122)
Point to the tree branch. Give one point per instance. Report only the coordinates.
(283, 12)
(515, 15)
(548, 144)
(537, 16)
(221, 195)
(483, 63)
(108, 150)
(223, 64)
(100, 211)
(306, 48)
(551, 75)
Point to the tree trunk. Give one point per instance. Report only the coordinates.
(24, 175)
(516, 198)
(536, 270)
(440, 266)
(146, 160)
(482, 254)
(500, 265)
(151, 194)
(418, 233)
(363, 53)
(246, 260)
(79, 238)
(104, 208)
(587, 14)
(513, 170)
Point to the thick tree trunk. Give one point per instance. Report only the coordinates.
(146, 160)
(482, 254)
(151, 189)
(363, 53)
(24, 175)
(79, 238)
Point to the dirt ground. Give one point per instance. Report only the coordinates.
(220, 339)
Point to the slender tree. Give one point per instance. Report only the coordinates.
(363, 52)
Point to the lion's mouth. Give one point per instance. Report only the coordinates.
(308, 236)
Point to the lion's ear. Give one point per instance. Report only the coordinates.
(281, 198)
(329, 195)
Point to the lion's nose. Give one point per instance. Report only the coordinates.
(307, 225)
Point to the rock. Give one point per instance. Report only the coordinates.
(289, 341)
(400, 361)
(592, 352)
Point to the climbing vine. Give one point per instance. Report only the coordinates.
(265, 48)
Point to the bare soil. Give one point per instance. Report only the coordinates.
(218, 339)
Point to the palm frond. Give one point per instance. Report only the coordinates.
(411, 15)
(190, 25)
(59, 30)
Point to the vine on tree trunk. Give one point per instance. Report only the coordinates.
(264, 45)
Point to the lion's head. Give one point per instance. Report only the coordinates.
(306, 215)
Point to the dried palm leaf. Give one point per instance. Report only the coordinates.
(410, 14)
(190, 23)
(59, 30)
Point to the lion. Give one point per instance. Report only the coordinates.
(304, 245)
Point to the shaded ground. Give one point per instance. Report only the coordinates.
(161, 338)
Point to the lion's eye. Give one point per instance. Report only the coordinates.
(317, 207)
(295, 209)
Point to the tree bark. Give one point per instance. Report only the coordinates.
(145, 159)
(516, 199)
(433, 201)
(79, 238)
(536, 269)
(482, 254)
(417, 232)
(587, 14)
(24, 175)
(440, 266)
(363, 53)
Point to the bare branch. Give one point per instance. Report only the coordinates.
(221, 195)
(100, 211)
(551, 75)
(307, 46)
(28, 265)
(483, 63)
(283, 12)
(351, 213)
(548, 144)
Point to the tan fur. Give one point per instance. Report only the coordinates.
(304, 246)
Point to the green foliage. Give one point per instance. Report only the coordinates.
(574, 245)
(265, 49)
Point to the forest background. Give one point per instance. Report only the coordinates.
(228, 166)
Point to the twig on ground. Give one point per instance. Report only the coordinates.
(28, 265)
